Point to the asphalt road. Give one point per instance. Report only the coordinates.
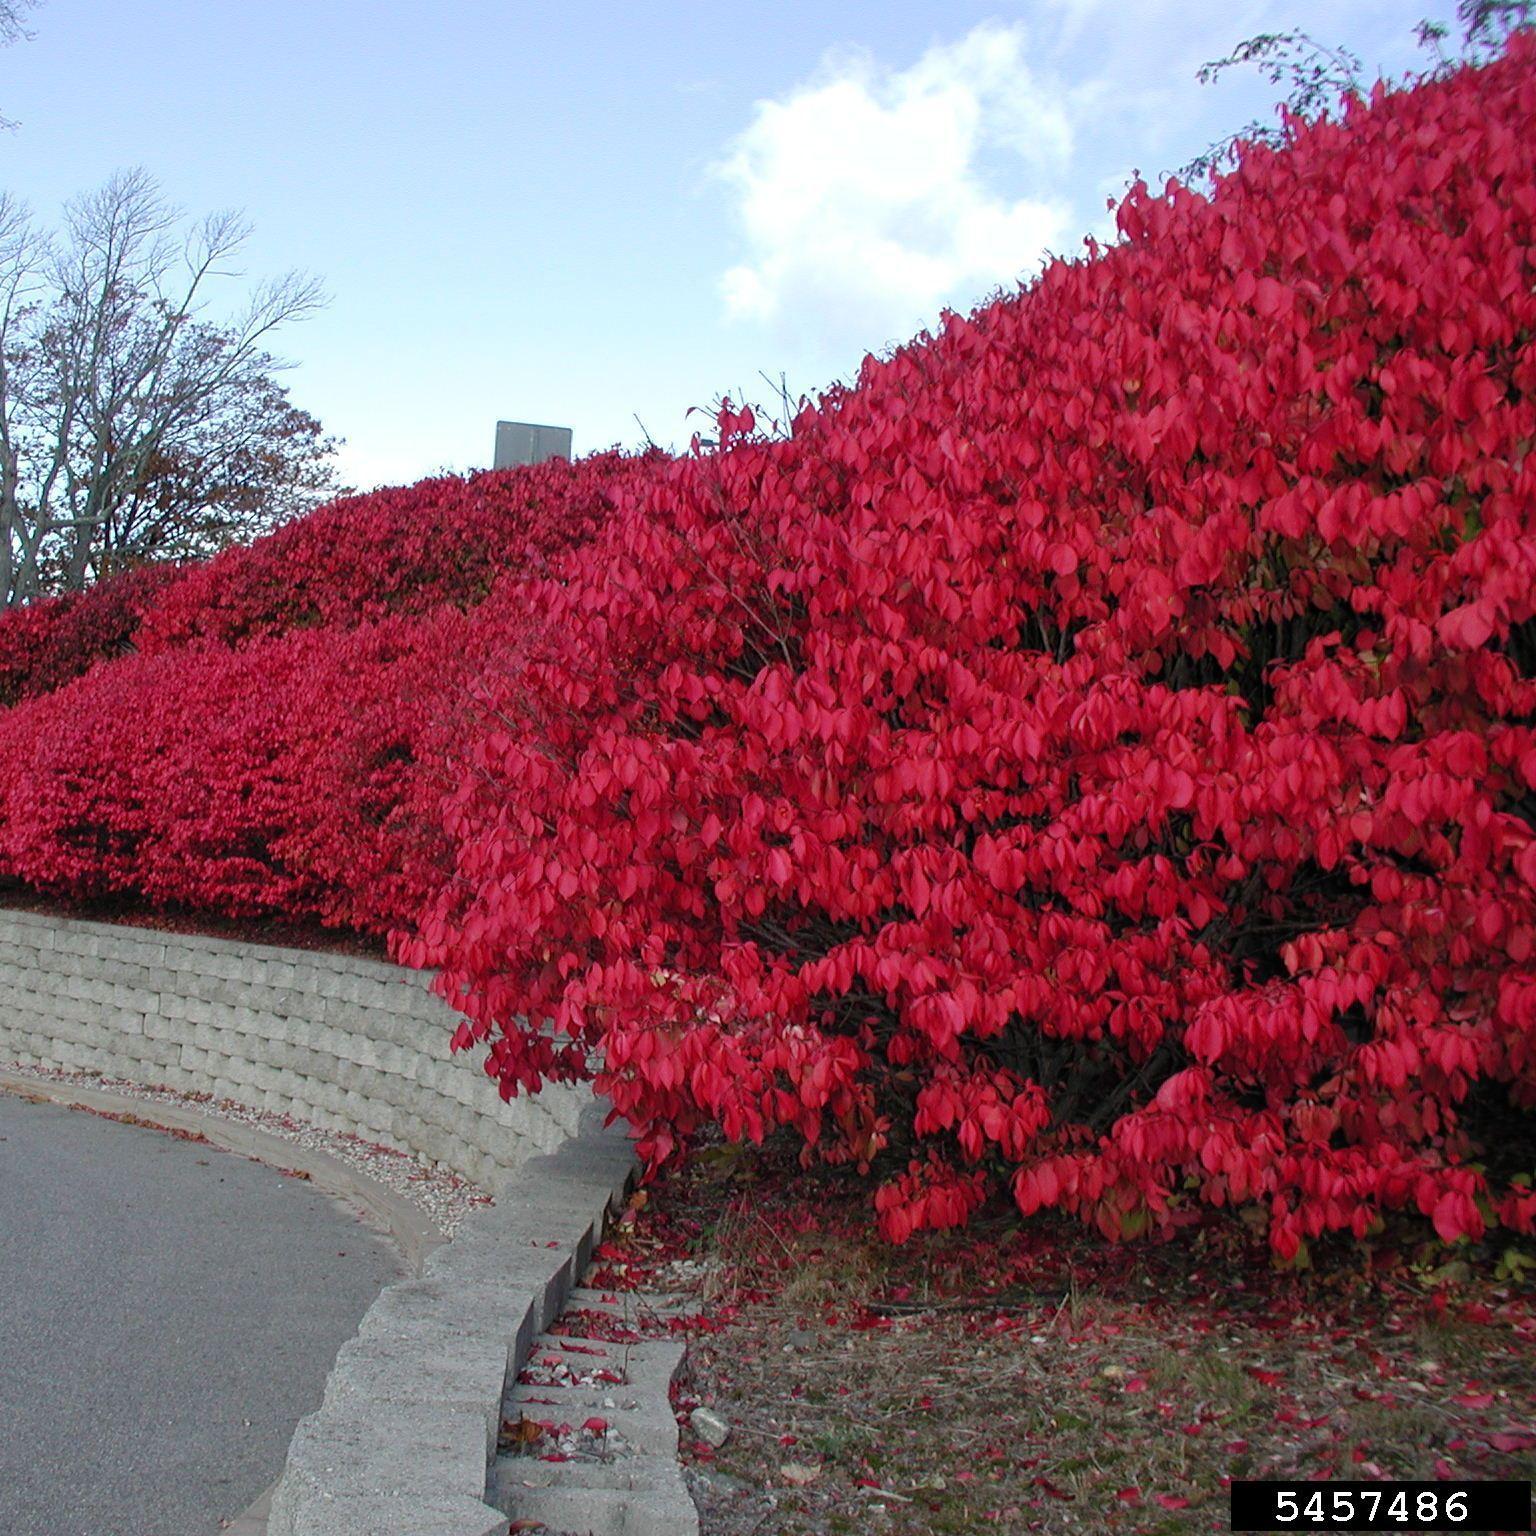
(168, 1313)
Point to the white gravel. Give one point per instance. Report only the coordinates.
(444, 1197)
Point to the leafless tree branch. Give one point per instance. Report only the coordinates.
(132, 424)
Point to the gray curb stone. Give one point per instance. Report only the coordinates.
(404, 1442)
(626, 1481)
(402, 1517)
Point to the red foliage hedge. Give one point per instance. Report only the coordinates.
(46, 644)
(267, 733)
(272, 737)
(1091, 761)
(402, 550)
(298, 776)
(1092, 758)
(275, 779)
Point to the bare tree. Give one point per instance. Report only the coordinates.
(12, 30)
(131, 425)
(11, 27)
(1486, 25)
(1318, 78)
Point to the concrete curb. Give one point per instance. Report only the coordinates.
(624, 1479)
(404, 1441)
(380, 1207)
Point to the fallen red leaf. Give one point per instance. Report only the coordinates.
(1512, 1440)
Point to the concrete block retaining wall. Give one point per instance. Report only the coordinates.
(404, 1441)
(348, 1044)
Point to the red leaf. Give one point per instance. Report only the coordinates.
(1513, 1440)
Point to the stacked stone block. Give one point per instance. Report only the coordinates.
(345, 1043)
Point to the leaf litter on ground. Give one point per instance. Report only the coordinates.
(1040, 1379)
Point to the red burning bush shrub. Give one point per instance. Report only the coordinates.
(397, 551)
(44, 645)
(405, 550)
(272, 739)
(1092, 761)
(1093, 758)
(300, 775)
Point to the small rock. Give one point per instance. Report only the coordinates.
(709, 1427)
(723, 1482)
(799, 1474)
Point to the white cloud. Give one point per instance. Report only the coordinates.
(869, 197)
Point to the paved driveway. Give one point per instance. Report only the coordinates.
(168, 1312)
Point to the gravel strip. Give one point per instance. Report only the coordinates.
(444, 1197)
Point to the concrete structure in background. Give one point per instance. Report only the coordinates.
(525, 442)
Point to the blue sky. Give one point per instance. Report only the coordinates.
(587, 212)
